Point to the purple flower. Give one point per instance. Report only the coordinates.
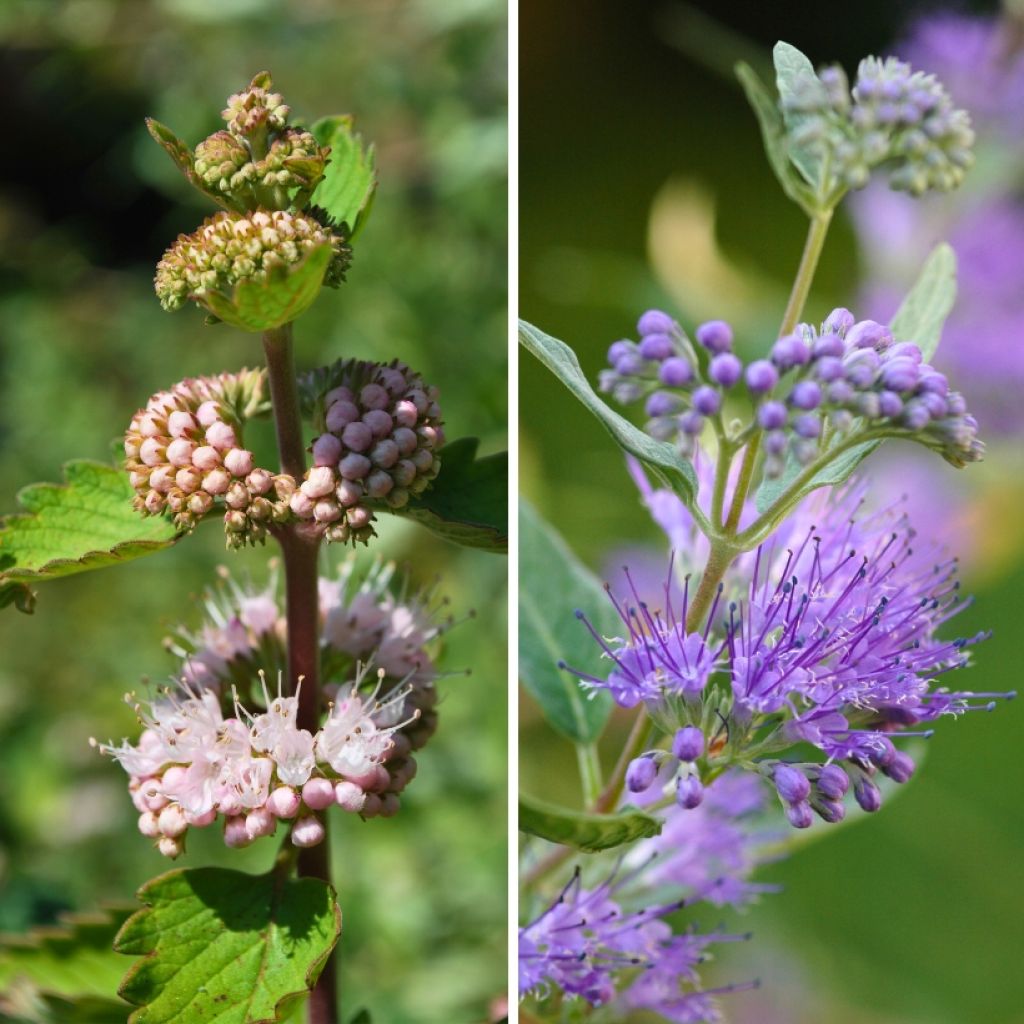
(588, 944)
(829, 634)
(711, 852)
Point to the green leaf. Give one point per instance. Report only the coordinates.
(350, 178)
(220, 945)
(69, 961)
(84, 1010)
(920, 319)
(795, 77)
(773, 135)
(183, 159)
(587, 832)
(468, 501)
(86, 523)
(923, 312)
(553, 584)
(660, 457)
(287, 291)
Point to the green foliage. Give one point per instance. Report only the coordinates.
(553, 584)
(660, 457)
(795, 78)
(773, 135)
(227, 946)
(287, 291)
(923, 312)
(587, 832)
(86, 523)
(468, 501)
(69, 961)
(919, 319)
(350, 178)
(183, 159)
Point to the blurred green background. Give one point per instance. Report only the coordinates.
(87, 205)
(643, 183)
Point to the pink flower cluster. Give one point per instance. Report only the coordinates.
(202, 755)
(193, 764)
(382, 429)
(186, 455)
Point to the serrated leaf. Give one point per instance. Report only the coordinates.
(220, 945)
(553, 584)
(795, 77)
(587, 832)
(71, 960)
(467, 503)
(920, 319)
(286, 292)
(773, 135)
(923, 312)
(86, 523)
(350, 178)
(660, 457)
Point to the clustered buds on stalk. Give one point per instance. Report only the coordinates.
(382, 432)
(202, 754)
(895, 116)
(817, 389)
(186, 455)
(230, 247)
(809, 789)
(264, 173)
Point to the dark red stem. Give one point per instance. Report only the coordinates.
(302, 609)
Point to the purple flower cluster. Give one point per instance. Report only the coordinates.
(711, 851)
(980, 59)
(894, 116)
(585, 944)
(382, 431)
(829, 638)
(817, 389)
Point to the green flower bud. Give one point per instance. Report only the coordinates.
(256, 111)
(218, 159)
(229, 249)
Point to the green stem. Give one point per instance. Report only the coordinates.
(590, 771)
(300, 550)
(764, 524)
(719, 560)
(635, 742)
(817, 231)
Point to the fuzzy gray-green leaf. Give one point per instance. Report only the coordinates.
(923, 312)
(795, 78)
(659, 457)
(587, 832)
(553, 584)
(773, 136)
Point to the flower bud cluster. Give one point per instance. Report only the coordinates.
(816, 388)
(818, 789)
(229, 247)
(678, 764)
(186, 455)
(224, 163)
(894, 116)
(382, 432)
